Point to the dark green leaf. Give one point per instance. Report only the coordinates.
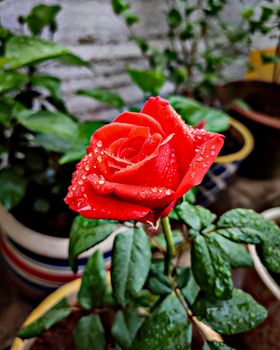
(190, 289)
(142, 44)
(131, 260)
(106, 96)
(12, 187)
(158, 283)
(174, 18)
(119, 6)
(247, 12)
(130, 18)
(125, 326)
(188, 31)
(211, 268)
(165, 331)
(270, 249)
(236, 252)
(94, 283)
(57, 313)
(150, 81)
(194, 215)
(11, 80)
(86, 234)
(270, 58)
(242, 225)
(72, 60)
(89, 333)
(41, 16)
(52, 143)
(238, 314)
(52, 84)
(47, 122)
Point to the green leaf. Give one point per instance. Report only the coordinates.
(195, 216)
(174, 18)
(131, 258)
(167, 330)
(158, 283)
(270, 249)
(188, 31)
(236, 252)
(103, 95)
(211, 268)
(270, 58)
(189, 289)
(72, 59)
(11, 80)
(125, 327)
(52, 84)
(94, 283)
(184, 106)
(236, 315)
(86, 234)
(47, 122)
(149, 81)
(214, 345)
(57, 313)
(215, 120)
(242, 226)
(42, 16)
(22, 51)
(78, 148)
(89, 333)
(130, 18)
(247, 12)
(119, 6)
(52, 143)
(12, 187)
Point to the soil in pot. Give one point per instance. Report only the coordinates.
(61, 335)
(233, 142)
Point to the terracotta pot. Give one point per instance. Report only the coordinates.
(225, 167)
(266, 291)
(39, 263)
(263, 120)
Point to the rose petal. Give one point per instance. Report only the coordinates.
(141, 120)
(208, 145)
(171, 122)
(151, 197)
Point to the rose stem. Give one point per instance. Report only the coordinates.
(207, 332)
(170, 251)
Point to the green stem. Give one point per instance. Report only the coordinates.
(170, 251)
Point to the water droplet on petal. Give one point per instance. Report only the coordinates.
(80, 182)
(99, 143)
(168, 192)
(96, 150)
(99, 159)
(154, 189)
(101, 182)
(199, 159)
(87, 168)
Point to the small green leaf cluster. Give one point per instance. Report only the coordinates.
(202, 41)
(153, 300)
(38, 134)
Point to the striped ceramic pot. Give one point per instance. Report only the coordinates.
(38, 263)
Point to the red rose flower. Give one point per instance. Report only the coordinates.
(138, 166)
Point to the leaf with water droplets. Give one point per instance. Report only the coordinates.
(236, 315)
(236, 252)
(194, 215)
(211, 268)
(131, 259)
(85, 234)
(167, 328)
(270, 251)
(158, 283)
(186, 282)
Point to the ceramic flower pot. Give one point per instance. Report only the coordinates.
(225, 167)
(263, 120)
(69, 291)
(266, 291)
(39, 263)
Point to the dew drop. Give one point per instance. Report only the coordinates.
(87, 168)
(99, 143)
(199, 159)
(80, 182)
(101, 182)
(70, 194)
(99, 159)
(96, 150)
(154, 189)
(90, 154)
(84, 177)
(168, 192)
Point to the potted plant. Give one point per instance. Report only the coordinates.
(38, 136)
(157, 291)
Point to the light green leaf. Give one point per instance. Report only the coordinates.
(11, 80)
(150, 81)
(52, 84)
(47, 122)
(103, 95)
